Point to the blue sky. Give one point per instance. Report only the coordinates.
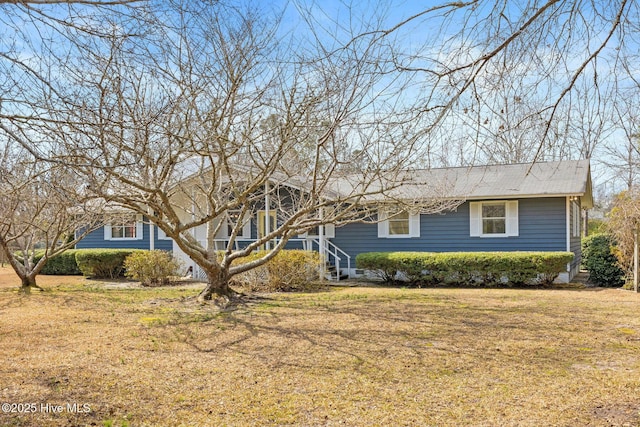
(337, 20)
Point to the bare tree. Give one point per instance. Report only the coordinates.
(40, 213)
(623, 154)
(211, 119)
(199, 114)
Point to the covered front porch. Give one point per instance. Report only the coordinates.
(261, 221)
(337, 263)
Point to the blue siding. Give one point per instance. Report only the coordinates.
(95, 239)
(542, 227)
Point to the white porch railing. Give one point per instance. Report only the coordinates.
(331, 251)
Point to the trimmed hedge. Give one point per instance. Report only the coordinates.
(467, 268)
(103, 263)
(63, 264)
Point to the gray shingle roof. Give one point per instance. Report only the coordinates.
(542, 179)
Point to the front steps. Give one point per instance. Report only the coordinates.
(331, 273)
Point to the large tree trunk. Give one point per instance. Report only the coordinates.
(28, 282)
(27, 277)
(217, 286)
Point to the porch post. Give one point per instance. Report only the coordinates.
(152, 240)
(267, 221)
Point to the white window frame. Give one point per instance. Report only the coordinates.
(139, 224)
(329, 232)
(383, 225)
(577, 219)
(328, 229)
(511, 219)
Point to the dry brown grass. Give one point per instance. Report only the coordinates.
(9, 279)
(356, 356)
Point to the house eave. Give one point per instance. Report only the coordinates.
(582, 196)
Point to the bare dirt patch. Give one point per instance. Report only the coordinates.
(618, 415)
(356, 356)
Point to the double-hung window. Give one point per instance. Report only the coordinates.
(493, 218)
(398, 224)
(126, 227)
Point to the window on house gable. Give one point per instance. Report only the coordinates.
(493, 219)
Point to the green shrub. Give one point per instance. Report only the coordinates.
(289, 270)
(103, 263)
(600, 262)
(381, 264)
(151, 268)
(467, 268)
(63, 264)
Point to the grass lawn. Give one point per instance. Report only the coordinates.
(347, 356)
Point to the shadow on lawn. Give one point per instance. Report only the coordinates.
(285, 332)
